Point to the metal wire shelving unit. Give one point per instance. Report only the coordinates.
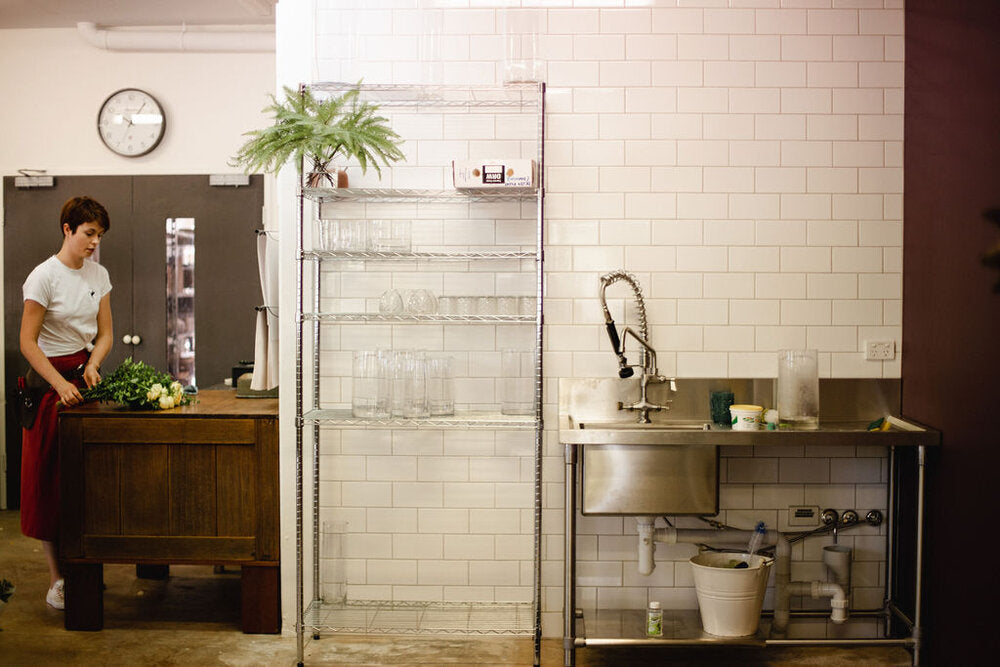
(396, 617)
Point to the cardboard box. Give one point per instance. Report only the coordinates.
(489, 174)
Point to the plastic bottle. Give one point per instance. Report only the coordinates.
(654, 620)
(756, 538)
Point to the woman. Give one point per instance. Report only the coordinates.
(65, 335)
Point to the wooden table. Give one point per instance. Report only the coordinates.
(193, 485)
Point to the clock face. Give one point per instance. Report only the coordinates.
(131, 122)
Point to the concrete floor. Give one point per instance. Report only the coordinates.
(193, 619)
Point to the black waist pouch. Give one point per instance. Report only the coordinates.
(29, 392)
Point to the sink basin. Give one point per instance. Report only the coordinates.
(670, 425)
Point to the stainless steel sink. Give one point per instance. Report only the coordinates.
(667, 425)
(627, 467)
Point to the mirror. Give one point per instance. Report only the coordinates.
(180, 300)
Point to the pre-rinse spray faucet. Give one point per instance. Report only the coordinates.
(648, 354)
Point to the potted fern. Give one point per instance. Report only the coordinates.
(316, 130)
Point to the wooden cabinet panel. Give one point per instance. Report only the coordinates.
(236, 496)
(180, 549)
(102, 509)
(192, 490)
(268, 548)
(145, 489)
(140, 430)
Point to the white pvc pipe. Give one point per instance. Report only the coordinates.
(648, 536)
(824, 589)
(782, 576)
(173, 38)
(646, 545)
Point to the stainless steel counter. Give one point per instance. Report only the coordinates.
(588, 414)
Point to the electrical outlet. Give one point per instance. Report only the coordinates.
(803, 515)
(880, 350)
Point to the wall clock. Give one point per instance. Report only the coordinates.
(131, 122)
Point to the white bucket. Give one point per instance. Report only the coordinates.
(730, 598)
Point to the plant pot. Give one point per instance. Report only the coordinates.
(319, 179)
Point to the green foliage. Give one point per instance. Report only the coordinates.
(6, 590)
(137, 385)
(306, 127)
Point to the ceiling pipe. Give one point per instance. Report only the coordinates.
(174, 39)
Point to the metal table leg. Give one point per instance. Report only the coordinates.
(569, 567)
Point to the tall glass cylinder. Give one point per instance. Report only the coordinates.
(440, 385)
(333, 568)
(365, 384)
(798, 389)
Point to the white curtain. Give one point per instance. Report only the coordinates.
(265, 363)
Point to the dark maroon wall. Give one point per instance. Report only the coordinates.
(951, 317)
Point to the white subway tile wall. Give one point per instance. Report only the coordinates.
(745, 161)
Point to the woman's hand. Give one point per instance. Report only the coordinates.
(68, 393)
(91, 375)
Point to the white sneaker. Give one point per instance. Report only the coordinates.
(55, 596)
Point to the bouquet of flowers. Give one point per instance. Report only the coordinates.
(138, 386)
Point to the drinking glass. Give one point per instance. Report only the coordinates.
(448, 305)
(421, 302)
(399, 384)
(365, 382)
(415, 398)
(507, 306)
(390, 235)
(440, 385)
(333, 567)
(466, 305)
(352, 235)
(486, 305)
(798, 389)
(326, 234)
(390, 303)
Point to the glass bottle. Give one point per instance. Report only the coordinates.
(654, 619)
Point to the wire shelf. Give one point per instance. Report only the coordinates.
(331, 194)
(492, 420)
(411, 318)
(410, 256)
(521, 96)
(421, 618)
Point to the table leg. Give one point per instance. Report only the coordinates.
(84, 596)
(261, 599)
(155, 572)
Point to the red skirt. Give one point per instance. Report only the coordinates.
(40, 461)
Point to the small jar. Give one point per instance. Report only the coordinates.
(654, 619)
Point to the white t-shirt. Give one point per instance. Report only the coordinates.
(71, 298)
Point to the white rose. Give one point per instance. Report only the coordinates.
(176, 389)
(166, 402)
(154, 392)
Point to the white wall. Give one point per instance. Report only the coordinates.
(744, 159)
(54, 83)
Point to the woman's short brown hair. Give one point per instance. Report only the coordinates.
(79, 210)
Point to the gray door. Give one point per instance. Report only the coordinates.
(227, 287)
